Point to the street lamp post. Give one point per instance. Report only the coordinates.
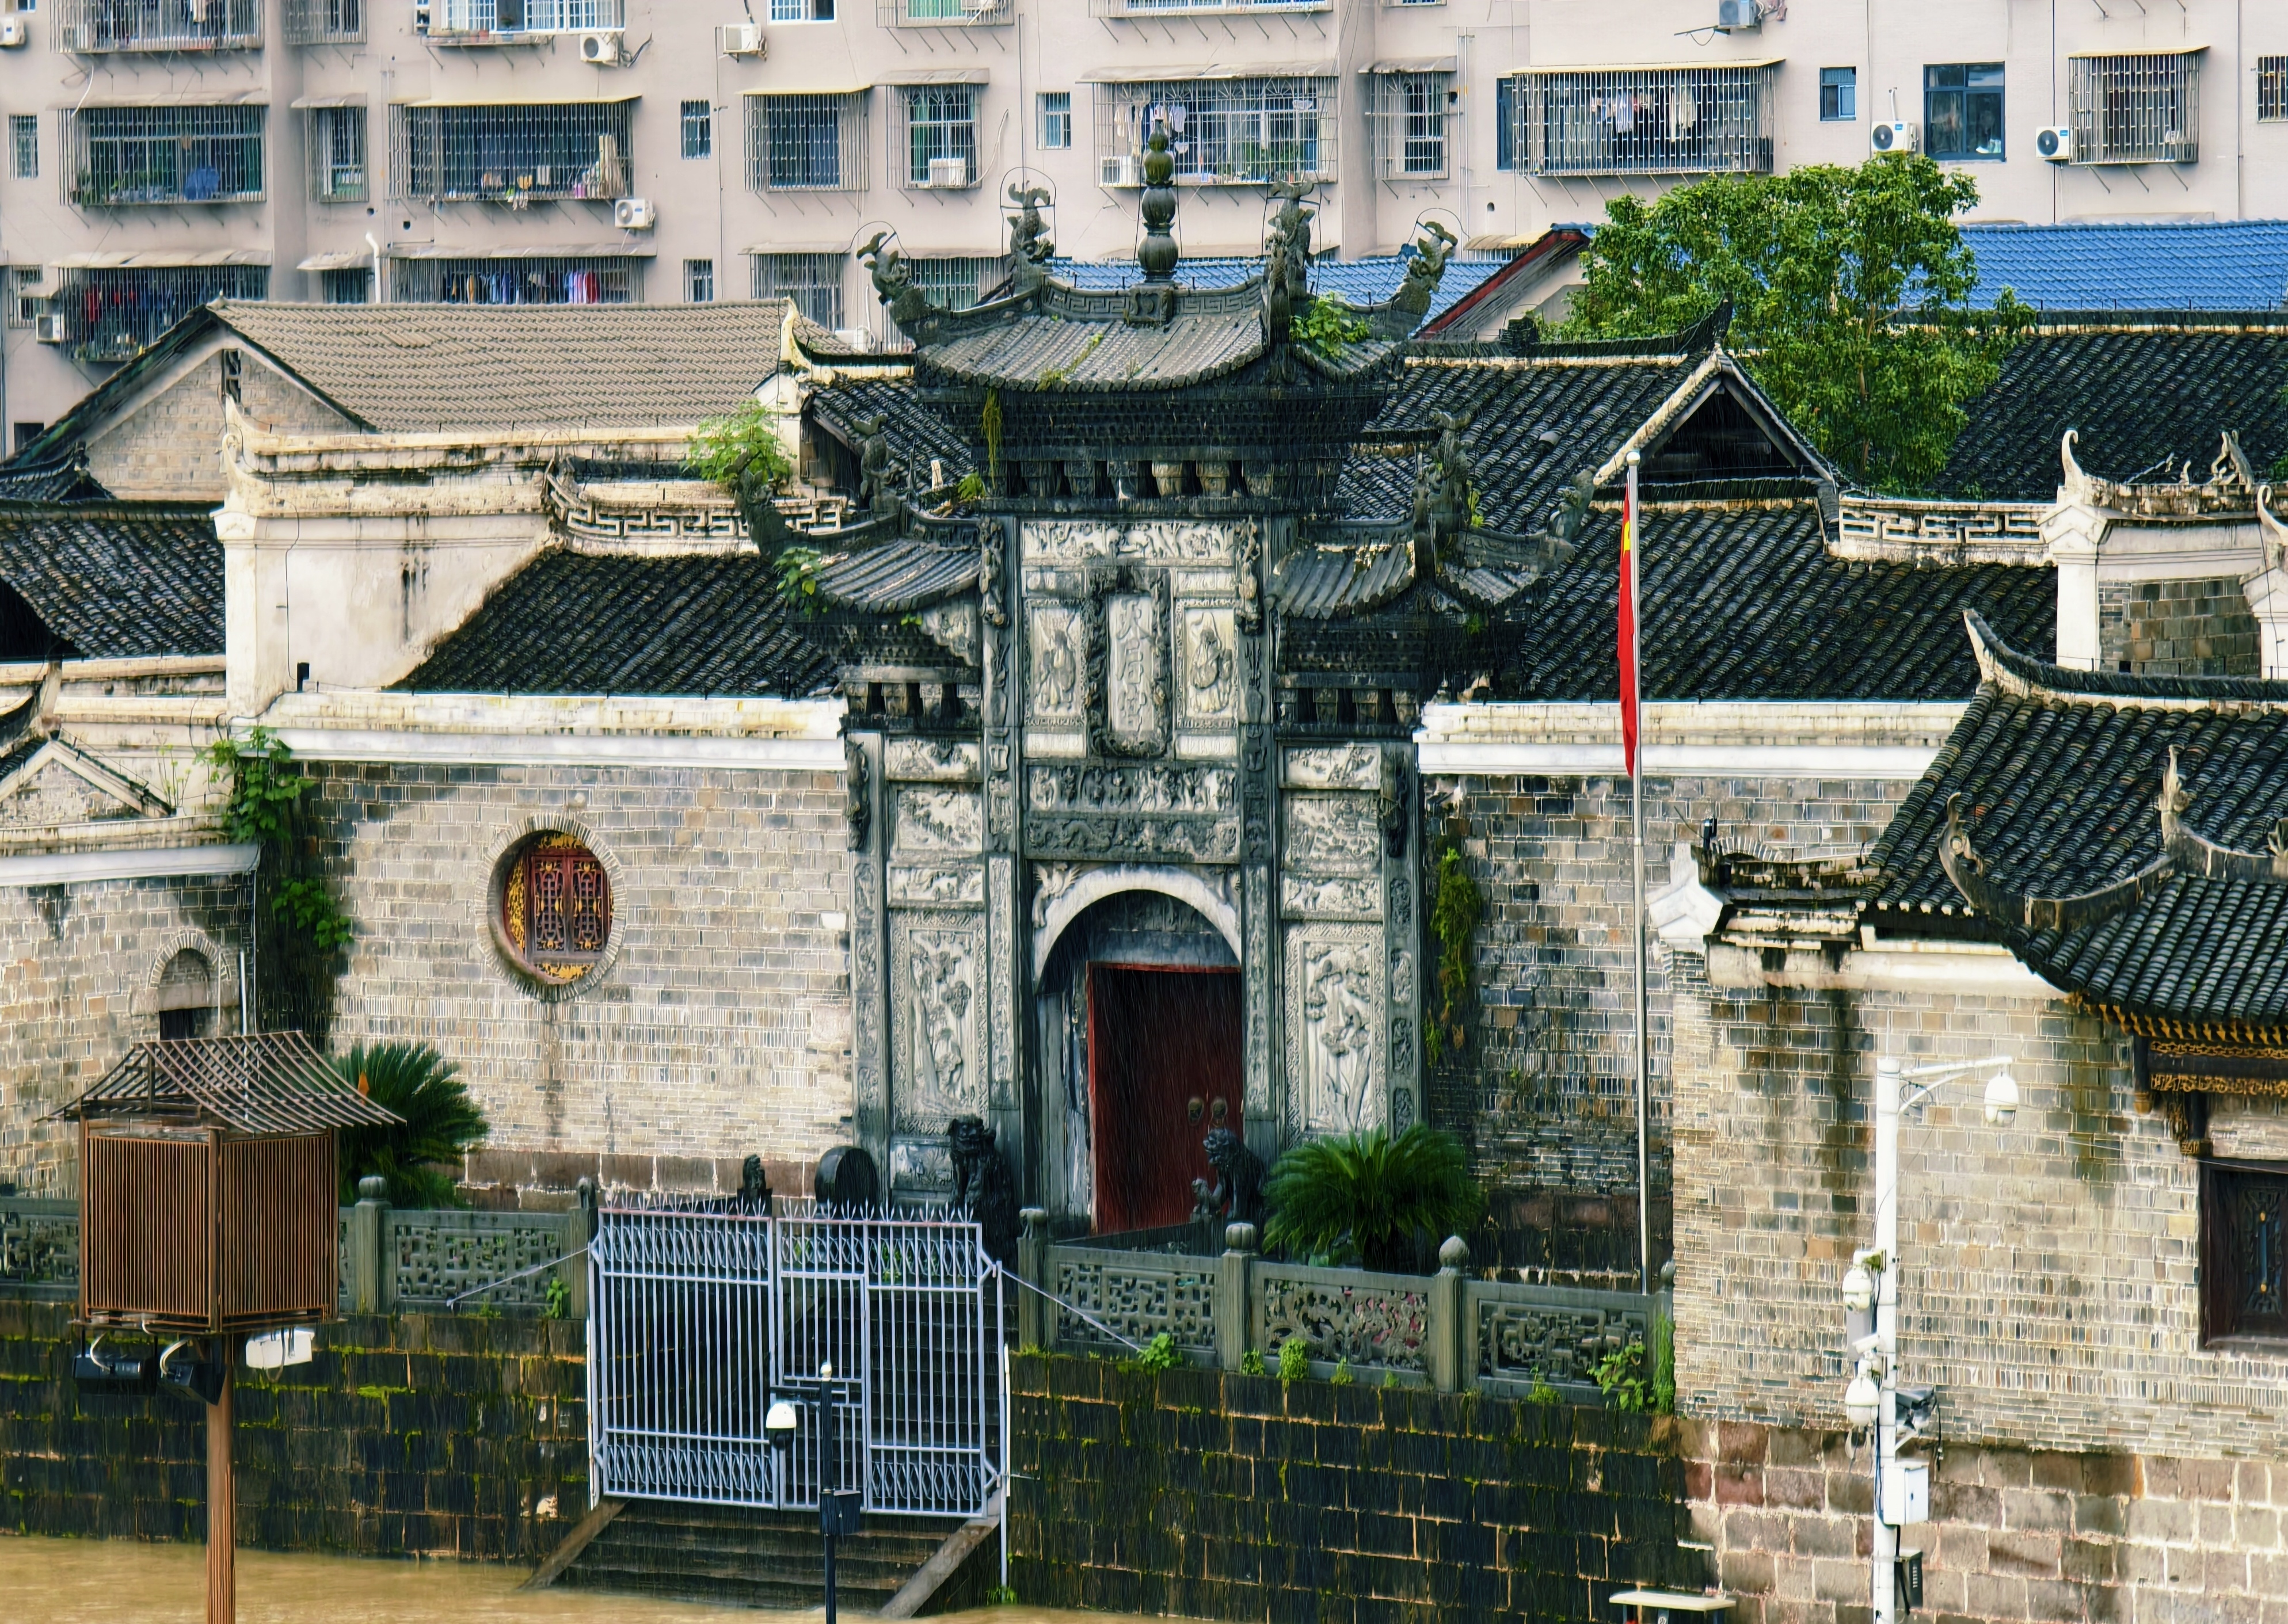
(838, 1507)
(1870, 1291)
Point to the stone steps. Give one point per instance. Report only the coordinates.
(753, 1559)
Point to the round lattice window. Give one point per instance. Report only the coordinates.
(556, 907)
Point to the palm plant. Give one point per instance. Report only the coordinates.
(441, 1123)
(1369, 1194)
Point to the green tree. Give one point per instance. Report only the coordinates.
(441, 1123)
(741, 454)
(1370, 1195)
(1850, 292)
(300, 935)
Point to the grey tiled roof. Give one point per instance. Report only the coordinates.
(898, 577)
(407, 368)
(58, 479)
(118, 579)
(918, 433)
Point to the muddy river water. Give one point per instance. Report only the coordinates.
(118, 1581)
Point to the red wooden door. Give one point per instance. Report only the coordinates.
(1164, 1068)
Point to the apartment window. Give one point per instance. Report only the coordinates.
(698, 129)
(1227, 131)
(335, 140)
(518, 153)
(814, 281)
(98, 25)
(955, 284)
(802, 11)
(1839, 95)
(1406, 119)
(942, 14)
(1962, 110)
(325, 22)
(1193, 8)
(117, 157)
(1508, 96)
(1642, 120)
(567, 281)
(482, 18)
(2244, 1237)
(2271, 89)
(24, 293)
(1055, 107)
(806, 143)
(2135, 110)
(938, 148)
(699, 282)
(352, 285)
(111, 315)
(24, 145)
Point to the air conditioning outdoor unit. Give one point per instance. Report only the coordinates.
(1898, 137)
(51, 330)
(739, 39)
(1738, 16)
(2055, 143)
(949, 171)
(1124, 170)
(13, 32)
(635, 214)
(601, 48)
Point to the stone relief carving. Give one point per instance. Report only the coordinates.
(857, 794)
(989, 575)
(943, 761)
(1335, 1038)
(1050, 881)
(1136, 692)
(1402, 980)
(1210, 666)
(954, 626)
(1086, 787)
(1340, 766)
(1053, 541)
(1332, 834)
(1001, 953)
(1256, 969)
(1401, 907)
(1249, 566)
(1129, 836)
(934, 1018)
(1314, 896)
(1057, 648)
(924, 1165)
(868, 1049)
(1402, 1110)
(914, 885)
(940, 821)
(1363, 1325)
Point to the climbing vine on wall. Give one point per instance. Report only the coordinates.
(299, 935)
(1455, 909)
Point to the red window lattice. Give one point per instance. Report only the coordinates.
(563, 906)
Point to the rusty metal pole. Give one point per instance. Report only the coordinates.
(222, 1497)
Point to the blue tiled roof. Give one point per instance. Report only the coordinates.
(1354, 282)
(2224, 265)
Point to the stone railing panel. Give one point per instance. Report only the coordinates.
(39, 1247)
(1344, 1315)
(435, 1256)
(1137, 1294)
(1522, 1334)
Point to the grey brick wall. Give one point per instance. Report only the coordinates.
(720, 1026)
(2177, 628)
(77, 964)
(171, 449)
(2051, 1267)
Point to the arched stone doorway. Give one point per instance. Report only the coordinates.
(1140, 1036)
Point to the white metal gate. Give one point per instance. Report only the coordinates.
(699, 1314)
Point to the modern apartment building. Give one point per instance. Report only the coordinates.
(164, 151)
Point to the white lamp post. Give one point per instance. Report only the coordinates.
(1872, 1284)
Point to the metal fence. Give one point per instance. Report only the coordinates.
(1406, 124)
(505, 280)
(90, 26)
(334, 140)
(805, 142)
(325, 22)
(699, 1317)
(513, 153)
(1225, 132)
(1637, 121)
(814, 281)
(180, 152)
(943, 14)
(112, 314)
(2135, 110)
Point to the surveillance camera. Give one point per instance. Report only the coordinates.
(2001, 1099)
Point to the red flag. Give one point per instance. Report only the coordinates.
(1629, 622)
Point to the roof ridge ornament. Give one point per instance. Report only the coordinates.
(1157, 254)
(1029, 247)
(894, 285)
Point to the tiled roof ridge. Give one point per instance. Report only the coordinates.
(2159, 320)
(2022, 676)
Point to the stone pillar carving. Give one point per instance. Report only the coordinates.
(869, 1025)
(1232, 1268)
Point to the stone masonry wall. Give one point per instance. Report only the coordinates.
(1548, 1098)
(2049, 1267)
(720, 1026)
(77, 966)
(2015, 1535)
(2177, 628)
(420, 1436)
(171, 449)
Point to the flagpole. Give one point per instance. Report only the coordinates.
(1637, 904)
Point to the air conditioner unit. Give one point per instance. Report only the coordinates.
(739, 39)
(601, 48)
(13, 32)
(635, 214)
(1738, 16)
(949, 171)
(1124, 170)
(858, 339)
(1898, 137)
(51, 330)
(2055, 143)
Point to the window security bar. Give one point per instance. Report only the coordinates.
(1634, 120)
(90, 26)
(483, 22)
(1226, 131)
(2136, 109)
(334, 140)
(2271, 89)
(1197, 8)
(944, 13)
(1406, 124)
(806, 143)
(516, 281)
(325, 22)
(934, 145)
(113, 315)
(814, 281)
(516, 154)
(122, 157)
